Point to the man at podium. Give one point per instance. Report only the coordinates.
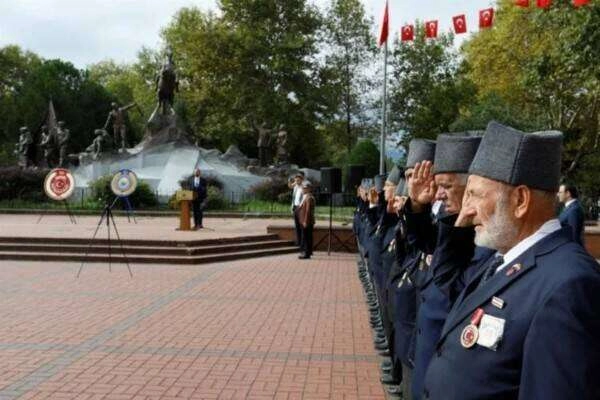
(198, 185)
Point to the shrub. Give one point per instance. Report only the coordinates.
(210, 181)
(215, 199)
(143, 196)
(271, 189)
(22, 184)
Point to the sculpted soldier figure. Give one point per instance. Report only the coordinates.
(23, 147)
(117, 116)
(48, 145)
(282, 153)
(264, 142)
(63, 136)
(167, 84)
(100, 144)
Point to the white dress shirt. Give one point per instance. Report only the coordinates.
(546, 229)
(297, 195)
(568, 203)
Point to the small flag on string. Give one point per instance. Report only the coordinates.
(431, 28)
(579, 3)
(460, 23)
(385, 28)
(522, 3)
(544, 3)
(407, 33)
(486, 18)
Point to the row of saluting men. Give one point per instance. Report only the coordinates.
(486, 296)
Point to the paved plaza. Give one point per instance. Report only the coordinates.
(265, 328)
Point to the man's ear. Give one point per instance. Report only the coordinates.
(521, 198)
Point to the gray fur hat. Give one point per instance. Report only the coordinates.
(401, 189)
(379, 181)
(420, 150)
(518, 158)
(454, 153)
(394, 175)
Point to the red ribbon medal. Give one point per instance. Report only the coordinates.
(470, 333)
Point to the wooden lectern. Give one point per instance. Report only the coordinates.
(185, 198)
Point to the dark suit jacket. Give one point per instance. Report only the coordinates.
(573, 216)
(550, 347)
(201, 190)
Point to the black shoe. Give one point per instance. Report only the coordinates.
(303, 257)
(381, 346)
(388, 379)
(386, 364)
(395, 391)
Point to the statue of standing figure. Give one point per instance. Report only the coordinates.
(63, 137)
(117, 115)
(48, 145)
(264, 143)
(166, 85)
(24, 148)
(282, 152)
(100, 145)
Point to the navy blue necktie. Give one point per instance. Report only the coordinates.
(490, 269)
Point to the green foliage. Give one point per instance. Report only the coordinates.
(427, 91)
(365, 153)
(22, 184)
(143, 197)
(270, 190)
(215, 200)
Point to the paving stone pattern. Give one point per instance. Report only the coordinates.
(268, 328)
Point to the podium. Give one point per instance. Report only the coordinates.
(185, 198)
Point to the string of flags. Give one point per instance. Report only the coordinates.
(459, 22)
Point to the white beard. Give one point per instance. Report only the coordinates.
(499, 230)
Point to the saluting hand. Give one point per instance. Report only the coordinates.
(422, 186)
(373, 196)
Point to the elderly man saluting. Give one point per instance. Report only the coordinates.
(527, 325)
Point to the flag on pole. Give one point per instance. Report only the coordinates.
(522, 3)
(407, 33)
(431, 28)
(544, 3)
(579, 3)
(385, 26)
(486, 18)
(460, 23)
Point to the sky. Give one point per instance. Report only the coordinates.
(88, 31)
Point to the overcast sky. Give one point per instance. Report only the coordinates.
(87, 31)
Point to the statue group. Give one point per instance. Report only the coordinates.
(266, 136)
(54, 144)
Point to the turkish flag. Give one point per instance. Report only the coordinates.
(544, 3)
(579, 3)
(385, 26)
(522, 3)
(431, 29)
(486, 18)
(407, 33)
(460, 23)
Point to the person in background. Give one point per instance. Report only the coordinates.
(296, 186)
(572, 214)
(306, 217)
(199, 186)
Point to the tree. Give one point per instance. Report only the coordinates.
(544, 63)
(427, 90)
(365, 153)
(252, 64)
(350, 48)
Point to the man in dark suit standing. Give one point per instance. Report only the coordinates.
(572, 214)
(198, 185)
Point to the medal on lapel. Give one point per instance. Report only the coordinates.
(470, 333)
(514, 269)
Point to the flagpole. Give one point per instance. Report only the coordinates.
(383, 112)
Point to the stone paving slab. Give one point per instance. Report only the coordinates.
(270, 328)
(148, 228)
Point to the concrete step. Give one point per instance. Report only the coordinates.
(118, 257)
(139, 242)
(138, 249)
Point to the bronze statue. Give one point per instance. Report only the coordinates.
(48, 145)
(63, 137)
(117, 115)
(100, 145)
(23, 148)
(166, 85)
(282, 153)
(264, 142)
